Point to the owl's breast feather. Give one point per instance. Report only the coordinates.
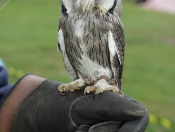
(92, 69)
(79, 28)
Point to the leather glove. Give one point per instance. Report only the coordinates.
(35, 104)
(116, 113)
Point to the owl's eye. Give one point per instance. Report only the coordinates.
(111, 10)
(64, 10)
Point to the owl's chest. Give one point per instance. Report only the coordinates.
(87, 46)
(79, 28)
(89, 28)
(90, 39)
(92, 69)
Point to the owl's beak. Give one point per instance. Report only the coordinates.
(86, 5)
(100, 9)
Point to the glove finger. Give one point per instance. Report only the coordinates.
(83, 128)
(105, 127)
(138, 125)
(135, 101)
(135, 113)
(105, 107)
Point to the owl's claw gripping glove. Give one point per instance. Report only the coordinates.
(35, 104)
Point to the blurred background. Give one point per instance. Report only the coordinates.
(28, 44)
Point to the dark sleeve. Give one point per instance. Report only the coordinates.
(4, 87)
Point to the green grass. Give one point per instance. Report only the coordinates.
(28, 38)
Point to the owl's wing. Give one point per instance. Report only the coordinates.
(61, 47)
(116, 47)
(61, 43)
(66, 6)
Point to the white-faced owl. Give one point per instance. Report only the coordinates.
(91, 40)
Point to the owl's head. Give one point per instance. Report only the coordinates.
(101, 6)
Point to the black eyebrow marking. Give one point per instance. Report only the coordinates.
(64, 10)
(112, 9)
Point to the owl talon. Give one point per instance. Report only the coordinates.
(112, 82)
(63, 93)
(101, 86)
(75, 85)
(62, 89)
(88, 82)
(89, 89)
(120, 93)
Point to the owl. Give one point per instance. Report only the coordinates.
(91, 40)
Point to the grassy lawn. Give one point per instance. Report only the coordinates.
(28, 38)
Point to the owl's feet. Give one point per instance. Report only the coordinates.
(75, 85)
(101, 86)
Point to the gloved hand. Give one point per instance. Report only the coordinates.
(37, 105)
(116, 113)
